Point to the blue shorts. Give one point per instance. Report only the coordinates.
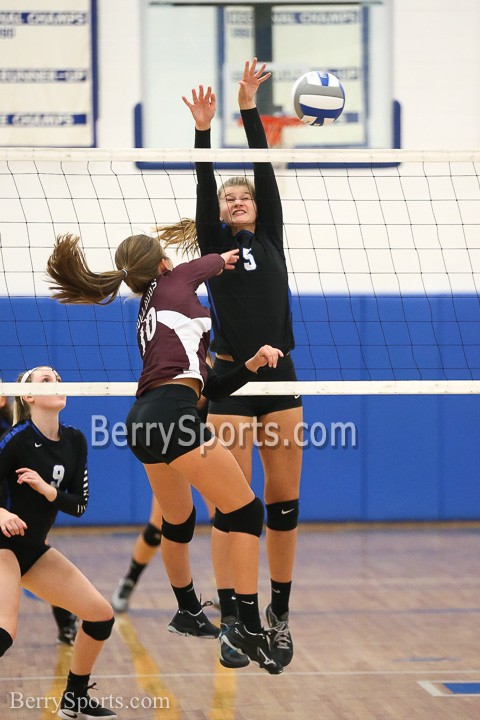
(163, 424)
(257, 405)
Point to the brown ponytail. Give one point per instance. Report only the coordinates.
(137, 259)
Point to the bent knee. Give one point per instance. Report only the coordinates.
(99, 611)
(181, 533)
(98, 629)
(247, 519)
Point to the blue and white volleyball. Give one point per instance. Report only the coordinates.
(318, 98)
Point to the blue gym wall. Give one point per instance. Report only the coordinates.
(415, 457)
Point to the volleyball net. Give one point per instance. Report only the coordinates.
(382, 247)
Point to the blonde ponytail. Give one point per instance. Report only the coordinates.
(182, 235)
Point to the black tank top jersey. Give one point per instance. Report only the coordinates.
(61, 463)
(173, 327)
(250, 305)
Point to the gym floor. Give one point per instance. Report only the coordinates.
(381, 618)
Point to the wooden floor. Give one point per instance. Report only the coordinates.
(384, 621)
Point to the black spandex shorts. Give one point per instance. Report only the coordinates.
(27, 555)
(257, 405)
(164, 424)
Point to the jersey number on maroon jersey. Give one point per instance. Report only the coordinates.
(147, 329)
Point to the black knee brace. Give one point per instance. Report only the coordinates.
(152, 535)
(182, 533)
(99, 630)
(221, 521)
(6, 641)
(282, 515)
(247, 519)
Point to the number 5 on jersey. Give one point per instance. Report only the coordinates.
(248, 259)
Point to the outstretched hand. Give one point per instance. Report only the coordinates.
(249, 84)
(266, 355)
(202, 107)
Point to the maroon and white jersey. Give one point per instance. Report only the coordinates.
(173, 327)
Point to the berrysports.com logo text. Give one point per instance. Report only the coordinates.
(318, 434)
(19, 701)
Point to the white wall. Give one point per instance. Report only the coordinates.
(436, 71)
(119, 72)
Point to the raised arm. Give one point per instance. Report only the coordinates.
(207, 217)
(269, 206)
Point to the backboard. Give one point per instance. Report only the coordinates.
(352, 40)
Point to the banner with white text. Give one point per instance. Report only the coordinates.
(47, 81)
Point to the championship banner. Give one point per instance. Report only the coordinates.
(304, 37)
(47, 73)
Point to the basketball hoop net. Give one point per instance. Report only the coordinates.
(274, 126)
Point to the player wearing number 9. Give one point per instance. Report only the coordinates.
(44, 466)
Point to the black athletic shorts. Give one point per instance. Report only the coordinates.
(257, 405)
(27, 555)
(164, 424)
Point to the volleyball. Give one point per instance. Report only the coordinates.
(318, 98)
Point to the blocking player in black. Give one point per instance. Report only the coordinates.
(163, 426)
(44, 466)
(252, 303)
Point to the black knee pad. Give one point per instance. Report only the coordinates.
(221, 521)
(152, 535)
(6, 641)
(182, 533)
(247, 519)
(282, 515)
(100, 630)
